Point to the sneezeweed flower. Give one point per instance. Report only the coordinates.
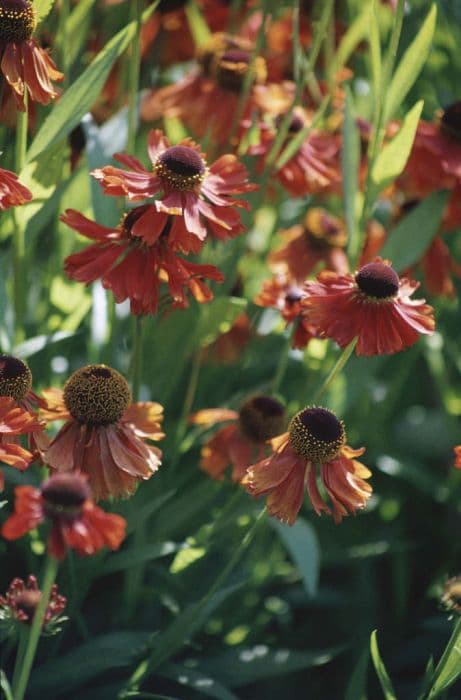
(313, 168)
(451, 595)
(104, 433)
(284, 295)
(25, 66)
(12, 192)
(64, 501)
(245, 437)
(208, 98)
(20, 602)
(313, 448)
(14, 422)
(136, 257)
(320, 239)
(184, 184)
(373, 306)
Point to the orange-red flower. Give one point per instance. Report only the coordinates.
(104, 434)
(315, 441)
(243, 439)
(283, 294)
(314, 167)
(373, 306)
(457, 451)
(12, 192)
(76, 522)
(208, 98)
(22, 598)
(24, 64)
(202, 195)
(319, 239)
(133, 259)
(15, 421)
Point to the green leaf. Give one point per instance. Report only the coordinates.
(42, 9)
(301, 541)
(375, 50)
(241, 666)
(77, 27)
(82, 94)
(350, 161)
(34, 345)
(449, 667)
(198, 681)
(101, 654)
(217, 317)
(357, 32)
(408, 241)
(394, 155)
(5, 686)
(357, 686)
(139, 555)
(385, 681)
(186, 557)
(410, 65)
(197, 25)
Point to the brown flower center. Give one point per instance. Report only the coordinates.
(166, 6)
(316, 434)
(297, 123)
(378, 280)
(64, 495)
(261, 418)
(180, 168)
(323, 230)
(293, 295)
(450, 121)
(227, 59)
(15, 377)
(97, 395)
(17, 21)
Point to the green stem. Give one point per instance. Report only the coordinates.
(51, 569)
(452, 643)
(173, 639)
(136, 357)
(63, 33)
(188, 401)
(380, 114)
(283, 362)
(19, 248)
(133, 75)
(340, 363)
(23, 639)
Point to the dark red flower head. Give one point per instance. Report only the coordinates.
(378, 281)
(64, 495)
(21, 599)
(180, 168)
(17, 21)
(97, 395)
(316, 434)
(450, 121)
(262, 418)
(15, 377)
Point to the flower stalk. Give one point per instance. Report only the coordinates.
(19, 247)
(26, 661)
(134, 68)
(339, 365)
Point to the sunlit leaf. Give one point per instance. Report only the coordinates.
(42, 9)
(385, 681)
(410, 65)
(394, 155)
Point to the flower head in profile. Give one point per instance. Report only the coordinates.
(135, 258)
(244, 437)
(64, 500)
(12, 192)
(104, 433)
(204, 196)
(20, 602)
(208, 98)
(314, 449)
(14, 422)
(284, 295)
(373, 306)
(451, 595)
(25, 66)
